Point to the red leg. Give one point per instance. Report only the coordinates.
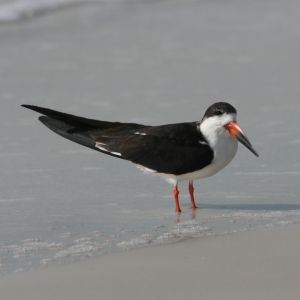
(191, 190)
(176, 198)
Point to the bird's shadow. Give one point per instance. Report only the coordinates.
(254, 207)
(238, 207)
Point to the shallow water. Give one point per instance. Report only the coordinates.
(152, 62)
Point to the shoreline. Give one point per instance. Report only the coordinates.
(159, 63)
(259, 264)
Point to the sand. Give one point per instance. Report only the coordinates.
(261, 264)
(151, 62)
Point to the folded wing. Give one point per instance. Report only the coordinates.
(173, 149)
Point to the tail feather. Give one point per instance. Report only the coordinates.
(75, 121)
(80, 130)
(65, 130)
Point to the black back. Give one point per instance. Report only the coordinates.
(172, 149)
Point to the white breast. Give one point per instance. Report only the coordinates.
(224, 152)
(223, 145)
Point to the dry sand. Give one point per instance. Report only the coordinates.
(261, 264)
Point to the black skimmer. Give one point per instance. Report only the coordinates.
(177, 152)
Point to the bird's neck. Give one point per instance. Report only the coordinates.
(223, 145)
(211, 132)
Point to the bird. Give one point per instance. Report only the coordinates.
(176, 152)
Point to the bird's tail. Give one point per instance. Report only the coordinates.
(75, 121)
(74, 128)
(69, 132)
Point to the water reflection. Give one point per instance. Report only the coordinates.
(193, 215)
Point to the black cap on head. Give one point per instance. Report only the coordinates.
(219, 108)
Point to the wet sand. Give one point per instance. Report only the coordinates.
(262, 264)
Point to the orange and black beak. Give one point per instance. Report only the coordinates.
(236, 132)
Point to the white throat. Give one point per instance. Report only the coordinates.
(223, 145)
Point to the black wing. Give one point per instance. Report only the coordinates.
(173, 149)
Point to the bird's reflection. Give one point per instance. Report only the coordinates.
(193, 215)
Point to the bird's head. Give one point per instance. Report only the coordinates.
(220, 120)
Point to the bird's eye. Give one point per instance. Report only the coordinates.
(218, 113)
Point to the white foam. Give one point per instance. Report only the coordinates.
(81, 247)
(29, 247)
(26, 9)
(143, 240)
(177, 232)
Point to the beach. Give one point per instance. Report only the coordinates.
(75, 223)
(260, 264)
